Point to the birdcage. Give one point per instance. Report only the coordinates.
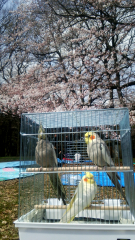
(76, 175)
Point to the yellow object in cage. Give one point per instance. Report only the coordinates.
(81, 174)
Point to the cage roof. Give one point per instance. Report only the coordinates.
(80, 118)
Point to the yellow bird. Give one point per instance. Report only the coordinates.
(83, 196)
(98, 152)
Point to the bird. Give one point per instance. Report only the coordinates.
(99, 153)
(82, 198)
(46, 157)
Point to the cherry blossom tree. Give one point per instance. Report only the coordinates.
(80, 54)
(13, 58)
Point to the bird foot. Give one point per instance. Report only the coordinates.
(96, 168)
(104, 168)
(40, 169)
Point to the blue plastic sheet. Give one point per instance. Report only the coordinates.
(16, 164)
(71, 161)
(10, 170)
(101, 178)
(9, 173)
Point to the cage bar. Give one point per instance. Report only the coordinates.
(52, 188)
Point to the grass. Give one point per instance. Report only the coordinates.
(8, 209)
(9, 159)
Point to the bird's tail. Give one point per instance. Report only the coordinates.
(70, 212)
(113, 177)
(58, 187)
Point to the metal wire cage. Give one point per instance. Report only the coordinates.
(47, 188)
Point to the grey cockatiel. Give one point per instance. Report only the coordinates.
(46, 157)
(99, 153)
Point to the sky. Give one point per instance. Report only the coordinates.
(9, 5)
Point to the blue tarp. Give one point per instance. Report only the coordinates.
(10, 170)
(74, 162)
(24, 163)
(16, 164)
(9, 173)
(101, 178)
